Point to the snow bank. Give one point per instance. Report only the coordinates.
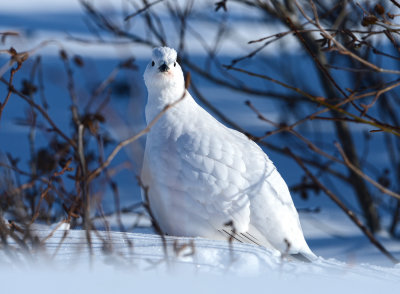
(147, 254)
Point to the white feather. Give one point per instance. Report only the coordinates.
(201, 175)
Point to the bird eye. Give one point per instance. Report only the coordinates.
(174, 64)
(152, 63)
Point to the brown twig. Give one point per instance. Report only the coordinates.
(348, 212)
(340, 48)
(147, 6)
(128, 141)
(364, 176)
(318, 100)
(42, 111)
(10, 81)
(42, 196)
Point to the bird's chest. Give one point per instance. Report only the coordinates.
(169, 142)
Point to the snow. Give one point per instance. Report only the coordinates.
(213, 265)
(348, 260)
(145, 253)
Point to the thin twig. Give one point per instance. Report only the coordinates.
(322, 101)
(10, 81)
(128, 141)
(364, 176)
(142, 9)
(341, 49)
(42, 111)
(348, 212)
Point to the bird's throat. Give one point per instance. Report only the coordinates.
(159, 99)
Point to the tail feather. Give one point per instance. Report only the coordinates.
(304, 257)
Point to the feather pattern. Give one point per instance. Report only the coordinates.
(202, 175)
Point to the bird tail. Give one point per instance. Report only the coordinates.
(304, 257)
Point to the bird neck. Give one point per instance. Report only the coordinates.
(158, 99)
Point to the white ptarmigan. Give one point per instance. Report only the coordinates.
(201, 175)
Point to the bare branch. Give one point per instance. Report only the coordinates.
(349, 213)
(128, 141)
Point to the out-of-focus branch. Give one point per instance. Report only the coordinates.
(364, 176)
(147, 6)
(349, 213)
(42, 111)
(339, 47)
(322, 101)
(10, 81)
(128, 141)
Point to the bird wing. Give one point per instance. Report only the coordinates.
(274, 218)
(216, 168)
(204, 175)
(271, 217)
(196, 167)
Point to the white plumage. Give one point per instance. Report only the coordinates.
(202, 175)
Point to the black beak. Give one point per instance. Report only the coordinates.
(163, 68)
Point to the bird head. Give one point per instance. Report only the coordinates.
(163, 71)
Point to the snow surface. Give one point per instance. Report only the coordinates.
(138, 262)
